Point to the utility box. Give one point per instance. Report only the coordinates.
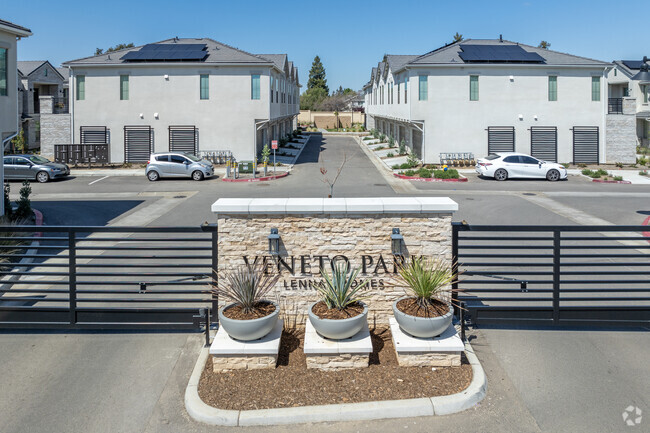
(246, 167)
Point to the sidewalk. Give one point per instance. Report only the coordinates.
(632, 176)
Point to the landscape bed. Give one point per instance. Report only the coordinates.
(292, 384)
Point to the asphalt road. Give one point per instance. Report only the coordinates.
(539, 380)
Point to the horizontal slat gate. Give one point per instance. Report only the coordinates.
(138, 143)
(501, 139)
(94, 135)
(585, 145)
(543, 143)
(183, 139)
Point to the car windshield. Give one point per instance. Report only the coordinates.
(37, 159)
(192, 157)
(492, 156)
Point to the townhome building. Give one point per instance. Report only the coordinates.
(42, 88)
(629, 89)
(195, 95)
(10, 33)
(482, 96)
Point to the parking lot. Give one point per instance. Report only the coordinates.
(539, 379)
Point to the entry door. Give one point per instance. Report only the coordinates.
(138, 143)
(501, 139)
(585, 144)
(417, 143)
(543, 143)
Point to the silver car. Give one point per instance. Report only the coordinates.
(177, 164)
(33, 167)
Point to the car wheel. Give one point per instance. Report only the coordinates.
(553, 175)
(501, 174)
(153, 176)
(42, 176)
(197, 175)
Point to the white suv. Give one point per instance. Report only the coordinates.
(177, 164)
(502, 166)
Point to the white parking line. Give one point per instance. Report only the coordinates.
(95, 181)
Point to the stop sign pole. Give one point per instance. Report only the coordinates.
(274, 146)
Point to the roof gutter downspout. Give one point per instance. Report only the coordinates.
(604, 111)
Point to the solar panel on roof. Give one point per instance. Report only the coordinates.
(632, 64)
(168, 52)
(498, 54)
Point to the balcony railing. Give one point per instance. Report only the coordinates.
(59, 105)
(615, 106)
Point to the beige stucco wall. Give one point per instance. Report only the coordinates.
(225, 121)
(9, 103)
(329, 235)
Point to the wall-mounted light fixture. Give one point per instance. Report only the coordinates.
(396, 242)
(155, 115)
(521, 117)
(535, 117)
(141, 115)
(512, 78)
(274, 243)
(166, 77)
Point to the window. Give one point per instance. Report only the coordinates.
(392, 93)
(255, 86)
(424, 87)
(21, 161)
(645, 89)
(615, 72)
(511, 159)
(177, 159)
(398, 92)
(46, 72)
(3, 72)
(272, 80)
(162, 158)
(406, 83)
(473, 87)
(528, 160)
(204, 86)
(124, 87)
(81, 87)
(8, 161)
(595, 88)
(552, 88)
(626, 91)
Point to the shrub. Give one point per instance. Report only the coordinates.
(380, 148)
(395, 166)
(405, 165)
(382, 138)
(412, 160)
(409, 173)
(402, 147)
(586, 172)
(619, 164)
(581, 165)
(390, 155)
(452, 173)
(643, 172)
(426, 279)
(24, 209)
(266, 153)
(341, 289)
(8, 209)
(425, 173)
(618, 177)
(246, 285)
(641, 161)
(602, 172)
(566, 164)
(391, 142)
(367, 137)
(375, 133)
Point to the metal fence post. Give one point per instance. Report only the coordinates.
(556, 276)
(215, 275)
(72, 275)
(454, 265)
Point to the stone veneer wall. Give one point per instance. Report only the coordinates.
(621, 134)
(55, 129)
(351, 235)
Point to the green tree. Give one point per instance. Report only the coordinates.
(317, 76)
(312, 98)
(458, 37)
(100, 51)
(266, 153)
(545, 45)
(18, 142)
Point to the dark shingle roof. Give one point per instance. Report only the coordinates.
(217, 53)
(14, 26)
(26, 67)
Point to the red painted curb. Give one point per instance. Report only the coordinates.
(627, 182)
(257, 179)
(646, 223)
(430, 179)
(38, 216)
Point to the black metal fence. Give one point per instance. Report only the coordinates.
(553, 275)
(108, 277)
(615, 106)
(81, 153)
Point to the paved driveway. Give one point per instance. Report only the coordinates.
(539, 380)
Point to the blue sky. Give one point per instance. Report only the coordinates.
(350, 36)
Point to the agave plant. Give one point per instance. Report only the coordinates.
(339, 290)
(426, 279)
(246, 285)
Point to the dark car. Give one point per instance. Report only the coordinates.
(33, 167)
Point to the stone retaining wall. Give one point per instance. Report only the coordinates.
(311, 239)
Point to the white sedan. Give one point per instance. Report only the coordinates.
(512, 165)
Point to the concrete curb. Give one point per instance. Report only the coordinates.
(430, 179)
(257, 179)
(8, 281)
(372, 410)
(626, 182)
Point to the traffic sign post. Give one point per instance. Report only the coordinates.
(274, 146)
